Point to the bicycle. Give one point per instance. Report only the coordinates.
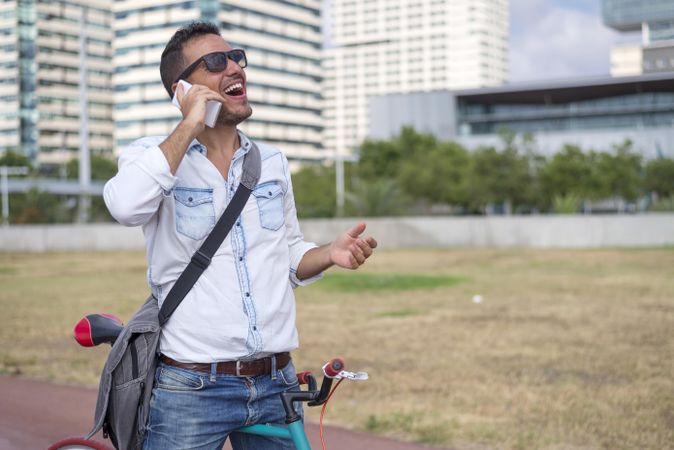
(95, 329)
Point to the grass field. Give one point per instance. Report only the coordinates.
(567, 350)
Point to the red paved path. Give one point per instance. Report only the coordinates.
(34, 414)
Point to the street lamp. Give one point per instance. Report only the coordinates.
(5, 172)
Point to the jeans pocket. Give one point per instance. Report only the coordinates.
(171, 379)
(287, 376)
(269, 198)
(195, 214)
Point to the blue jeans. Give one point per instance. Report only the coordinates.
(199, 410)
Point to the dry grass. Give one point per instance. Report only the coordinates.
(569, 349)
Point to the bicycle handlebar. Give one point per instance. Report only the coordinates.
(312, 395)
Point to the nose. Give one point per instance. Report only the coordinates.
(233, 67)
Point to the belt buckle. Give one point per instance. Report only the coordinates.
(238, 368)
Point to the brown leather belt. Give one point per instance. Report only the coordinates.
(247, 368)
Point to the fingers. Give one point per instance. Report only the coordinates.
(357, 230)
(360, 251)
(371, 242)
(365, 248)
(193, 104)
(351, 250)
(204, 93)
(358, 254)
(180, 93)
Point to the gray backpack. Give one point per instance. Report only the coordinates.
(125, 389)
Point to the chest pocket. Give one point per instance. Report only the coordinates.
(195, 215)
(269, 197)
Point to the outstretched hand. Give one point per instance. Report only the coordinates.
(349, 250)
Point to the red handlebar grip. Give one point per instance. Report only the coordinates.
(82, 332)
(333, 367)
(302, 377)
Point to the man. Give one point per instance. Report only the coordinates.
(242, 308)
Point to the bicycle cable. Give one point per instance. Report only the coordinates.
(325, 405)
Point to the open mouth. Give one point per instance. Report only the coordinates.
(235, 90)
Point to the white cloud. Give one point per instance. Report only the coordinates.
(549, 41)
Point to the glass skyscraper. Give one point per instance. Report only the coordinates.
(399, 46)
(39, 72)
(629, 15)
(9, 80)
(39, 85)
(282, 40)
(655, 20)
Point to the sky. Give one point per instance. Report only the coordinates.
(558, 39)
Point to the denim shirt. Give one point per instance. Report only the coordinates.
(243, 305)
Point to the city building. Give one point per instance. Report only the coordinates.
(380, 47)
(590, 113)
(39, 85)
(654, 19)
(282, 40)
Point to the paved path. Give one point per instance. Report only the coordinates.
(34, 414)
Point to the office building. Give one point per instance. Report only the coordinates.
(654, 19)
(282, 40)
(383, 47)
(592, 113)
(39, 85)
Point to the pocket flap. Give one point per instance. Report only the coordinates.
(269, 190)
(193, 196)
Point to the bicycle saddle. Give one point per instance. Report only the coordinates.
(95, 329)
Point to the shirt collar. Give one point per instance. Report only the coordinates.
(244, 141)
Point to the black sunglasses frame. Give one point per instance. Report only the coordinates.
(209, 66)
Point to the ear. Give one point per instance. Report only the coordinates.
(173, 88)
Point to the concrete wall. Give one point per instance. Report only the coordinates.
(440, 232)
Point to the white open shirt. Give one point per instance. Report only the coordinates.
(243, 305)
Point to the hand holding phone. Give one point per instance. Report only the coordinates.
(212, 107)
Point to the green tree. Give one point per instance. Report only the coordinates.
(38, 207)
(439, 175)
(569, 173)
(499, 177)
(659, 176)
(315, 192)
(384, 158)
(381, 197)
(14, 159)
(102, 168)
(620, 172)
(522, 149)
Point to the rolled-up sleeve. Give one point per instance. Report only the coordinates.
(296, 243)
(143, 178)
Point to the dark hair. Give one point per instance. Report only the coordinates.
(172, 59)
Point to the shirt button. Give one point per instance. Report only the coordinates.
(238, 224)
(247, 294)
(240, 258)
(255, 328)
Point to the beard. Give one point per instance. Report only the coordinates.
(234, 116)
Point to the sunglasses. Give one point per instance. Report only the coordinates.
(216, 62)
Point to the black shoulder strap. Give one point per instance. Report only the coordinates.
(202, 257)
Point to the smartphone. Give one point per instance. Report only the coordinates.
(212, 107)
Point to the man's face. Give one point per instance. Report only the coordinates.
(235, 109)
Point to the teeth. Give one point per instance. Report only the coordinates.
(234, 87)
